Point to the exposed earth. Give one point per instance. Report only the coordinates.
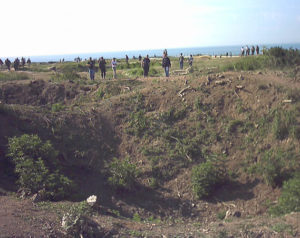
(89, 124)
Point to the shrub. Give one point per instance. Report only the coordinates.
(13, 76)
(205, 178)
(283, 124)
(56, 107)
(35, 162)
(275, 165)
(138, 123)
(123, 174)
(289, 200)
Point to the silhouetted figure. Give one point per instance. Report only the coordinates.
(102, 66)
(91, 67)
(114, 67)
(252, 50)
(191, 59)
(257, 50)
(7, 63)
(1, 63)
(16, 64)
(181, 59)
(146, 65)
(23, 62)
(140, 58)
(29, 62)
(166, 63)
(242, 51)
(127, 60)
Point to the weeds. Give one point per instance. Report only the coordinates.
(123, 174)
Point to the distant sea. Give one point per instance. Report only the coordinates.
(214, 50)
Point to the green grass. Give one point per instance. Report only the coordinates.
(13, 76)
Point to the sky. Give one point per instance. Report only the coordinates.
(49, 27)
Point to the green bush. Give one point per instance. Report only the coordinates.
(279, 57)
(36, 166)
(123, 174)
(13, 76)
(138, 123)
(56, 107)
(289, 200)
(205, 178)
(275, 165)
(283, 124)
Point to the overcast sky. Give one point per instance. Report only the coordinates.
(42, 27)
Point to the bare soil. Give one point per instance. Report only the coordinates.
(174, 210)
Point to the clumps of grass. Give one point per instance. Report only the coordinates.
(57, 107)
(123, 174)
(233, 126)
(276, 165)
(13, 76)
(283, 124)
(205, 179)
(279, 57)
(67, 76)
(289, 200)
(138, 123)
(172, 115)
(36, 165)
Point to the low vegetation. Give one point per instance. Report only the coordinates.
(228, 140)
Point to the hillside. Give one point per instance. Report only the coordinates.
(239, 115)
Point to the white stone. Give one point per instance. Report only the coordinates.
(91, 200)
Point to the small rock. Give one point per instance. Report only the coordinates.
(91, 200)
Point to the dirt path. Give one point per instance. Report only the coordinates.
(20, 218)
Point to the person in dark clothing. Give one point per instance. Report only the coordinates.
(29, 62)
(127, 59)
(23, 62)
(7, 63)
(16, 64)
(91, 67)
(146, 65)
(181, 59)
(252, 50)
(102, 66)
(166, 63)
(257, 50)
(140, 58)
(1, 63)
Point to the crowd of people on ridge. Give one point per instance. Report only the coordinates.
(145, 64)
(16, 64)
(246, 50)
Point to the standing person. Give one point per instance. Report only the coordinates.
(114, 67)
(146, 65)
(102, 66)
(16, 64)
(1, 63)
(140, 58)
(252, 50)
(242, 51)
(191, 61)
(181, 59)
(28, 62)
(166, 63)
(7, 63)
(127, 60)
(91, 66)
(23, 62)
(257, 50)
